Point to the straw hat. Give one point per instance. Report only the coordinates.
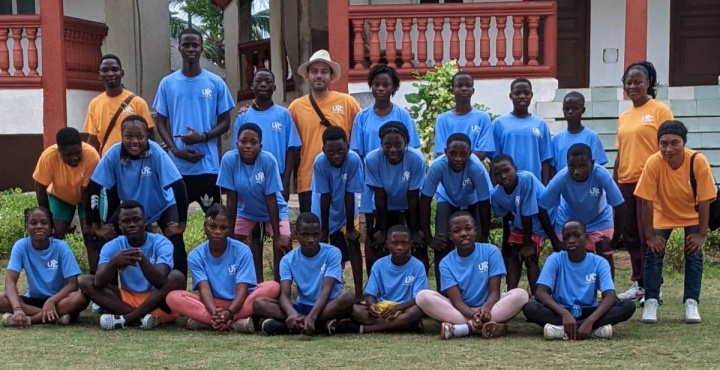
(320, 56)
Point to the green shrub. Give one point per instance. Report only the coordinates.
(194, 231)
(433, 96)
(13, 203)
(675, 250)
(77, 245)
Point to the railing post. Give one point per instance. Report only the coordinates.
(422, 51)
(517, 43)
(390, 44)
(533, 40)
(358, 43)
(374, 41)
(500, 40)
(4, 54)
(470, 41)
(438, 51)
(484, 41)
(454, 39)
(18, 60)
(406, 43)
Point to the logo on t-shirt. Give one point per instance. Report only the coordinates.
(475, 129)
(260, 176)
(409, 279)
(406, 176)
(206, 93)
(276, 126)
(483, 266)
(322, 268)
(344, 177)
(231, 269)
(146, 171)
(595, 191)
(647, 118)
(536, 131)
(466, 182)
(128, 110)
(152, 259)
(517, 200)
(590, 278)
(337, 108)
(52, 264)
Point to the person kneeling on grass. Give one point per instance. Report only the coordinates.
(223, 272)
(470, 277)
(391, 289)
(315, 269)
(566, 304)
(144, 261)
(52, 272)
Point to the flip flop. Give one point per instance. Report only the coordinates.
(493, 330)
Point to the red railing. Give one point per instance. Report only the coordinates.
(256, 54)
(83, 40)
(430, 34)
(19, 69)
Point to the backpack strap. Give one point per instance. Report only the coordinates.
(693, 180)
(114, 119)
(323, 120)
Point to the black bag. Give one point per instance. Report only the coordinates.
(714, 219)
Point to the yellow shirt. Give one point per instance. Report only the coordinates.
(102, 109)
(63, 181)
(670, 190)
(340, 109)
(637, 138)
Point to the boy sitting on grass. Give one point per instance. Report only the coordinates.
(315, 269)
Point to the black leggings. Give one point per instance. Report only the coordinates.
(540, 314)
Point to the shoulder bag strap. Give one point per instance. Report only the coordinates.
(323, 120)
(693, 181)
(114, 119)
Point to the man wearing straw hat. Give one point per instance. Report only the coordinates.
(312, 114)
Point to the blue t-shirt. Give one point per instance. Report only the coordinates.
(308, 272)
(523, 201)
(389, 282)
(460, 189)
(591, 201)
(223, 273)
(475, 124)
(366, 128)
(157, 249)
(395, 179)
(526, 140)
(45, 270)
(194, 102)
(571, 282)
(146, 180)
(563, 140)
(348, 178)
(472, 274)
(252, 182)
(278, 131)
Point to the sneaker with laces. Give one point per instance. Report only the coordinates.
(603, 332)
(649, 314)
(8, 319)
(692, 316)
(245, 325)
(447, 330)
(112, 322)
(554, 332)
(660, 300)
(273, 327)
(149, 322)
(193, 324)
(635, 293)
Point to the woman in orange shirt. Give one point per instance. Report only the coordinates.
(636, 141)
(669, 202)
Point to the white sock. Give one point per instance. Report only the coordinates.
(461, 330)
(361, 329)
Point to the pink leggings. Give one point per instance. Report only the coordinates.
(189, 304)
(439, 308)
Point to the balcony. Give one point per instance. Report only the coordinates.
(489, 40)
(255, 55)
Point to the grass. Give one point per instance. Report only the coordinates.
(670, 344)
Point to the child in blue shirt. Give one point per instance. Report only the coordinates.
(384, 82)
(336, 180)
(224, 276)
(461, 183)
(52, 277)
(470, 285)
(395, 174)
(250, 178)
(391, 290)
(523, 135)
(139, 169)
(315, 270)
(465, 119)
(585, 191)
(280, 134)
(525, 225)
(573, 108)
(566, 303)
(145, 263)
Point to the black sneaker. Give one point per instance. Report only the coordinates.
(274, 327)
(345, 326)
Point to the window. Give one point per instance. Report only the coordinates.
(10, 7)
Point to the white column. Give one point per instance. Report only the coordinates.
(277, 49)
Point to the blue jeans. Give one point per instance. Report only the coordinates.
(693, 269)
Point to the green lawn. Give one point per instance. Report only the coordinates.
(670, 344)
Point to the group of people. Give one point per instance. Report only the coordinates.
(543, 187)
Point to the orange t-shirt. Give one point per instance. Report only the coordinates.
(63, 181)
(340, 109)
(102, 109)
(670, 189)
(637, 138)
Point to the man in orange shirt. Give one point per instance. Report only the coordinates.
(671, 199)
(108, 109)
(337, 109)
(61, 176)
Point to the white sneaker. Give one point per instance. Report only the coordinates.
(554, 332)
(447, 331)
(634, 293)
(604, 332)
(660, 300)
(692, 316)
(112, 322)
(96, 308)
(649, 314)
(149, 322)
